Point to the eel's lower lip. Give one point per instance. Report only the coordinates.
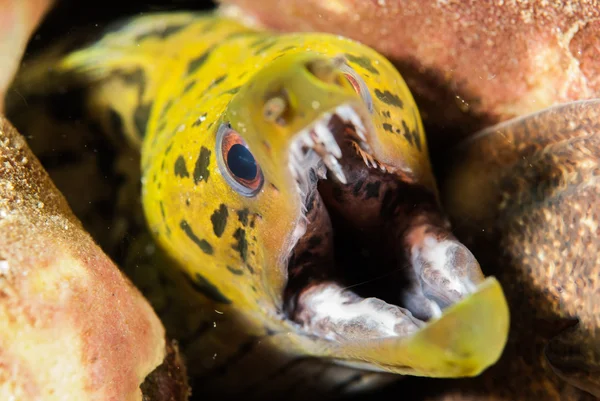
(463, 335)
(465, 340)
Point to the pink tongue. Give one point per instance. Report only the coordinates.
(330, 311)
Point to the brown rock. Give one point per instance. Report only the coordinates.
(71, 325)
(469, 64)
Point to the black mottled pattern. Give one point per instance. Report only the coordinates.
(389, 98)
(363, 61)
(202, 243)
(141, 117)
(162, 210)
(219, 220)
(242, 244)
(166, 108)
(180, 168)
(195, 64)
(406, 134)
(232, 91)
(201, 169)
(243, 216)
(411, 135)
(386, 114)
(265, 47)
(199, 120)
(388, 127)
(162, 33)
(214, 83)
(208, 289)
(189, 86)
(237, 272)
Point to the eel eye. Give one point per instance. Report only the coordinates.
(237, 164)
(358, 84)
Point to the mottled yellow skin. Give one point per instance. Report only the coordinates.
(168, 81)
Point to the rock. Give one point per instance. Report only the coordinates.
(470, 64)
(71, 325)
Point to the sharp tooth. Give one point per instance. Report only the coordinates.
(356, 121)
(327, 139)
(335, 167)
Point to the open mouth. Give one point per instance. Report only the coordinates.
(374, 256)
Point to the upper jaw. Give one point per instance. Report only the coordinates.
(316, 147)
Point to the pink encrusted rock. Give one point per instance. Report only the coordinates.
(71, 325)
(470, 64)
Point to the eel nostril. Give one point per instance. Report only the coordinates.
(327, 70)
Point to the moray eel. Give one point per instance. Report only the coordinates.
(287, 177)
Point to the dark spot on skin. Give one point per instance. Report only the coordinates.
(357, 187)
(161, 127)
(201, 170)
(388, 127)
(219, 220)
(116, 122)
(242, 244)
(141, 116)
(260, 41)
(180, 168)
(162, 164)
(250, 268)
(389, 98)
(209, 125)
(199, 120)
(265, 47)
(209, 290)
(386, 114)
(274, 187)
(237, 272)
(163, 33)
(168, 149)
(372, 189)
(417, 139)
(162, 210)
(363, 61)
(166, 108)
(197, 62)
(202, 244)
(214, 83)
(243, 216)
(242, 34)
(406, 134)
(189, 86)
(188, 202)
(288, 48)
(232, 91)
(254, 288)
(159, 186)
(243, 74)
